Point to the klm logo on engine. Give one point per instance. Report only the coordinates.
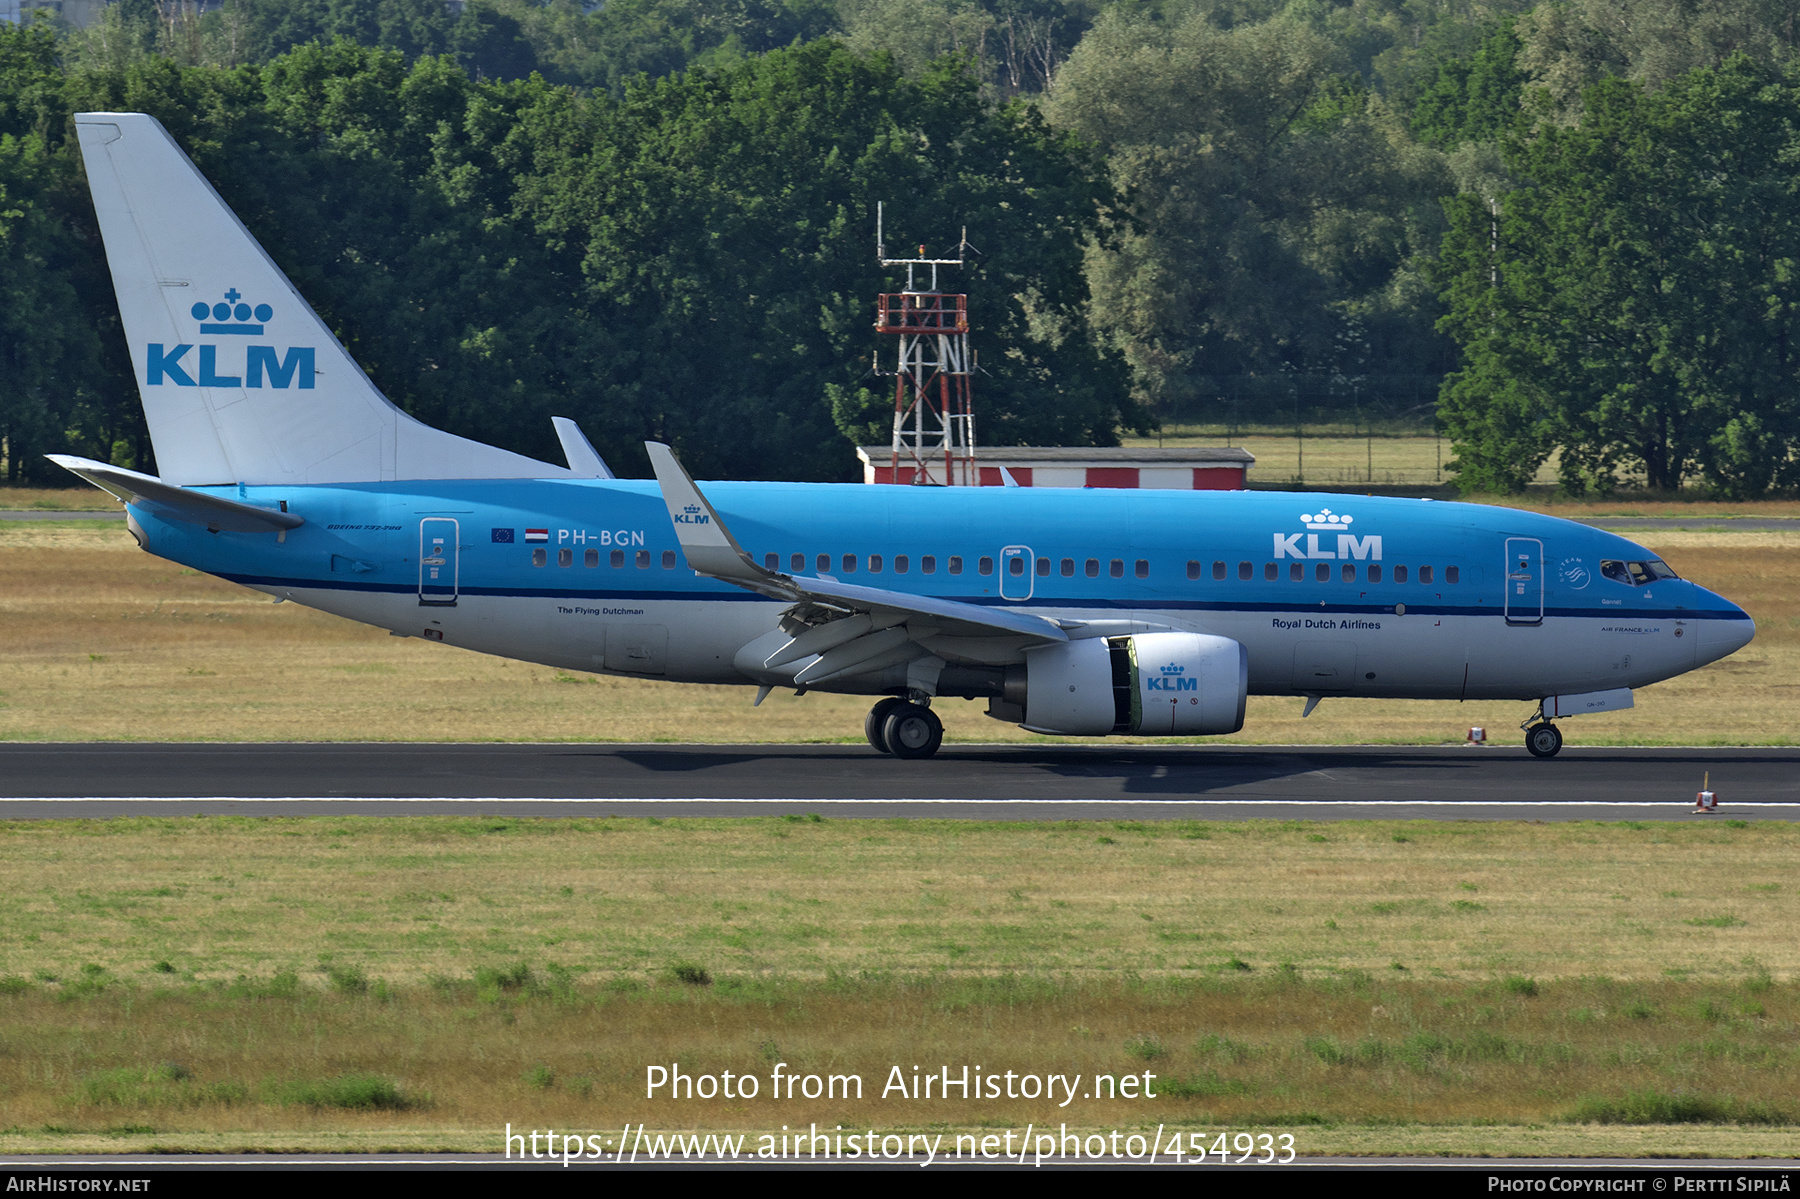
(1172, 678)
(292, 367)
(692, 515)
(1287, 545)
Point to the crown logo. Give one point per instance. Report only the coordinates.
(1327, 520)
(1172, 668)
(231, 316)
(691, 509)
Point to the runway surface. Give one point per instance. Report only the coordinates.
(983, 782)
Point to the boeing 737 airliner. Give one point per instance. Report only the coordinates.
(1081, 612)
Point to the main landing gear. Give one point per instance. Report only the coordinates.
(903, 729)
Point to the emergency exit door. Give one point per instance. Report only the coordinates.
(1524, 580)
(437, 562)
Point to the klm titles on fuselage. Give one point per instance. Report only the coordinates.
(292, 366)
(1287, 545)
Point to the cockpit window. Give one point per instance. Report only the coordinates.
(1636, 574)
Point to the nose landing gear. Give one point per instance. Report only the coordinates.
(903, 729)
(1542, 738)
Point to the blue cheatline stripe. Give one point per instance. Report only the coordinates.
(1146, 603)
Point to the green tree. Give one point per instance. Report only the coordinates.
(1634, 305)
(724, 225)
(1277, 206)
(1478, 98)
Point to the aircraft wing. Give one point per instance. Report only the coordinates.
(712, 551)
(178, 503)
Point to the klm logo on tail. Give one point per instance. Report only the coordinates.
(230, 317)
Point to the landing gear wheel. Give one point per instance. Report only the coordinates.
(875, 723)
(912, 731)
(1543, 740)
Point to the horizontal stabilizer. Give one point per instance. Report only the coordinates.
(583, 458)
(212, 512)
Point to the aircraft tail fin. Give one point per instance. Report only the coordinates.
(241, 381)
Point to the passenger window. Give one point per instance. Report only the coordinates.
(1043, 567)
(539, 556)
(1452, 574)
(1218, 570)
(1399, 574)
(1297, 572)
(1015, 566)
(1244, 569)
(823, 562)
(565, 557)
(796, 561)
(874, 564)
(1068, 568)
(1117, 568)
(1093, 568)
(1374, 574)
(900, 564)
(618, 559)
(1322, 573)
(1143, 568)
(591, 559)
(928, 565)
(1424, 574)
(984, 566)
(771, 561)
(849, 564)
(1271, 571)
(1349, 573)
(954, 565)
(643, 559)
(668, 559)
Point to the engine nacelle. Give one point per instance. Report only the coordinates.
(1148, 684)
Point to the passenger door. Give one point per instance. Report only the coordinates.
(1524, 581)
(1016, 575)
(438, 562)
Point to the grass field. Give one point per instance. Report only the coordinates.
(105, 642)
(220, 982)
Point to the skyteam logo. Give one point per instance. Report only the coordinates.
(692, 514)
(1287, 545)
(1172, 678)
(232, 316)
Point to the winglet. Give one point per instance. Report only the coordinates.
(705, 541)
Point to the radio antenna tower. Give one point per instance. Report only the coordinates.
(934, 423)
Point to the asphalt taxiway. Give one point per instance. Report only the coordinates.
(1007, 782)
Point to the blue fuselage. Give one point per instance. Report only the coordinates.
(1330, 593)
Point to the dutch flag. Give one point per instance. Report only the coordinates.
(537, 534)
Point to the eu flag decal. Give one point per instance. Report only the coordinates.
(503, 536)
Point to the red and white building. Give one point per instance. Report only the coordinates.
(1186, 469)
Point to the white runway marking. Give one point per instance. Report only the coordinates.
(1609, 805)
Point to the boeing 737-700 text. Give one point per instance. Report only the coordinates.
(1076, 612)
